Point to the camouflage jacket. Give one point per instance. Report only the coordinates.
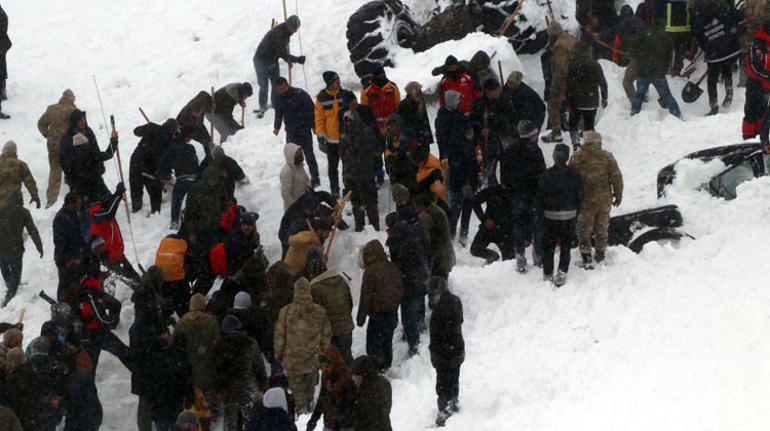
(54, 122)
(600, 173)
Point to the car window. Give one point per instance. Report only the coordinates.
(725, 184)
(766, 158)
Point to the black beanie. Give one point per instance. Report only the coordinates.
(347, 97)
(450, 61)
(330, 77)
(491, 84)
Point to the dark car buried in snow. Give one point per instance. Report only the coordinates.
(743, 162)
(638, 228)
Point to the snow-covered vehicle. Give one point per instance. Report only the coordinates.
(379, 26)
(638, 228)
(743, 162)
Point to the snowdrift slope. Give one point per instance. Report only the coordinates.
(670, 339)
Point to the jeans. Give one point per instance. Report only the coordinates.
(344, 343)
(379, 338)
(563, 233)
(448, 389)
(500, 236)
(181, 188)
(333, 156)
(304, 139)
(267, 74)
(11, 266)
(411, 311)
(661, 85)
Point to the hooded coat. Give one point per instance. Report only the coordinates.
(205, 204)
(14, 172)
(382, 286)
(239, 369)
(200, 331)
(25, 388)
(447, 346)
(54, 122)
(585, 80)
(330, 291)
(8, 420)
(295, 182)
(274, 415)
(81, 159)
(336, 399)
(299, 245)
(435, 224)
(13, 220)
(301, 332)
(410, 251)
(374, 398)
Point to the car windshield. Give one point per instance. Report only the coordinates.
(726, 183)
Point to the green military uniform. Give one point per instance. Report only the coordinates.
(53, 125)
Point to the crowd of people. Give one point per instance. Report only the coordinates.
(251, 352)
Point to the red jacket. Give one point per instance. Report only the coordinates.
(383, 101)
(104, 225)
(463, 85)
(93, 289)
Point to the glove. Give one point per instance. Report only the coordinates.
(120, 189)
(36, 201)
(311, 425)
(616, 201)
(300, 59)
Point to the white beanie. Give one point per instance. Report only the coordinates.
(242, 301)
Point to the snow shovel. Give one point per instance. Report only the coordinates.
(692, 92)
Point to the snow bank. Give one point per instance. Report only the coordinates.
(671, 339)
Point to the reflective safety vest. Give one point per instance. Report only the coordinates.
(677, 17)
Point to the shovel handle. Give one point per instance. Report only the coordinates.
(705, 74)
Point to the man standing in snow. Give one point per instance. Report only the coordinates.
(559, 196)
(585, 85)
(52, 125)
(328, 104)
(561, 44)
(653, 51)
(143, 165)
(274, 45)
(358, 147)
(374, 397)
(14, 172)
(68, 248)
(13, 220)
(181, 159)
(524, 102)
(225, 100)
(457, 79)
(294, 108)
(603, 186)
(413, 113)
(447, 346)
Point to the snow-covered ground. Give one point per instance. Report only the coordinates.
(671, 339)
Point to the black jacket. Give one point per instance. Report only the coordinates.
(718, 33)
(454, 145)
(271, 420)
(153, 143)
(525, 104)
(560, 189)
(296, 110)
(238, 248)
(414, 116)
(275, 45)
(170, 382)
(521, 168)
(67, 238)
(81, 401)
(358, 149)
(499, 205)
(83, 164)
(180, 158)
(500, 122)
(447, 346)
(5, 41)
(409, 249)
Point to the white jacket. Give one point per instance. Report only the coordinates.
(295, 182)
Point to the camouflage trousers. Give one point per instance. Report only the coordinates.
(54, 177)
(302, 385)
(554, 111)
(593, 221)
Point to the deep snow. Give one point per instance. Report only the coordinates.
(671, 339)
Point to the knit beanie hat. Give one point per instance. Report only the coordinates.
(198, 302)
(515, 78)
(231, 325)
(242, 301)
(15, 357)
(293, 22)
(330, 77)
(591, 137)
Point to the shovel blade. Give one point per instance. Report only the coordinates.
(691, 93)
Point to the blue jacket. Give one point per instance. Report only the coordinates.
(296, 110)
(67, 238)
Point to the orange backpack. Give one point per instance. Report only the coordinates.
(170, 257)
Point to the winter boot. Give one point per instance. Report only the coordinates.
(728, 99)
(521, 264)
(4, 116)
(537, 259)
(174, 225)
(587, 262)
(316, 182)
(548, 277)
(575, 137)
(3, 92)
(599, 256)
(463, 240)
(359, 217)
(553, 138)
(441, 418)
(560, 279)
(714, 109)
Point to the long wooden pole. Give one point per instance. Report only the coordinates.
(337, 217)
(213, 108)
(500, 71)
(146, 118)
(120, 172)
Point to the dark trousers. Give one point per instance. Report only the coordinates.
(104, 339)
(333, 158)
(502, 237)
(756, 115)
(412, 311)
(178, 292)
(524, 229)
(125, 272)
(181, 188)
(682, 42)
(462, 208)
(137, 183)
(68, 289)
(304, 139)
(448, 389)
(344, 342)
(661, 85)
(364, 200)
(379, 338)
(723, 69)
(560, 232)
(11, 267)
(267, 73)
(587, 115)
